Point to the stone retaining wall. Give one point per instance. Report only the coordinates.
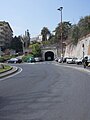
(77, 51)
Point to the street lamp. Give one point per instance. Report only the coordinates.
(83, 50)
(60, 9)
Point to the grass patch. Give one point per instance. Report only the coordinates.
(5, 68)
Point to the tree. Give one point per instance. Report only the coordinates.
(16, 44)
(66, 26)
(52, 39)
(45, 32)
(84, 26)
(70, 33)
(75, 34)
(36, 49)
(81, 29)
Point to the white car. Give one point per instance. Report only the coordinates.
(38, 59)
(71, 60)
(14, 60)
(79, 61)
(59, 60)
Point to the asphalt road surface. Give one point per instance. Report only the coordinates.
(45, 92)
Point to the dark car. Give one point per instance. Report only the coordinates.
(65, 59)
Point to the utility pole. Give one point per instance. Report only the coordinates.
(60, 9)
(83, 49)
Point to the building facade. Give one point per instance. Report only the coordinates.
(37, 39)
(6, 34)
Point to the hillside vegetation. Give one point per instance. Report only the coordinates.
(71, 33)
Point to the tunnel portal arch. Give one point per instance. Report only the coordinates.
(49, 53)
(49, 56)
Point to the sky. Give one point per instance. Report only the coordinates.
(36, 14)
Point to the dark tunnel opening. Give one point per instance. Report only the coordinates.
(49, 56)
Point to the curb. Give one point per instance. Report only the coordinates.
(10, 72)
(6, 71)
(74, 67)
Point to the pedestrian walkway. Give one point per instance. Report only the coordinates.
(74, 66)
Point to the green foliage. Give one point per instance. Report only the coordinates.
(4, 58)
(46, 43)
(52, 39)
(26, 57)
(36, 49)
(16, 44)
(84, 26)
(81, 29)
(75, 34)
(66, 26)
(44, 32)
(5, 68)
(72, 33)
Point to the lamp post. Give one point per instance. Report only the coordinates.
(83, 50)
(60, 9)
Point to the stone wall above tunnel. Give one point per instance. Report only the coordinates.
(49, 49)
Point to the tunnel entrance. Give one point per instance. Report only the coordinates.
(49, 56)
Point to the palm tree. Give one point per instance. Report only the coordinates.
(45, 33)
(66, 26)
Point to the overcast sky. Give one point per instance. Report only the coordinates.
(36, 14)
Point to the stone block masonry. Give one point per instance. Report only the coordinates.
(77, 50)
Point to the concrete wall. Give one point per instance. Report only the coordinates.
(77, 51)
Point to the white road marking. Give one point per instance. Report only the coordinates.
(12, 74)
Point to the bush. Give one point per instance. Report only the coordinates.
(1, 66)
(2, 59)
(5, 68)
(26, 57)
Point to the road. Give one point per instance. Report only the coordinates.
(45, 92)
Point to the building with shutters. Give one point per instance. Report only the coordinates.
(6, 34)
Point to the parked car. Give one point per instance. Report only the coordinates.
(79, 61)
(38, 59)
(31, 59)
(65, 59)
(56, 59)
(74, 59)
(59, 60)
(14, 60)
(71, 60)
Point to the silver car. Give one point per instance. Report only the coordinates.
(71, 60)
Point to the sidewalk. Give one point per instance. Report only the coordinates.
(10, 72)
(74, 66)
